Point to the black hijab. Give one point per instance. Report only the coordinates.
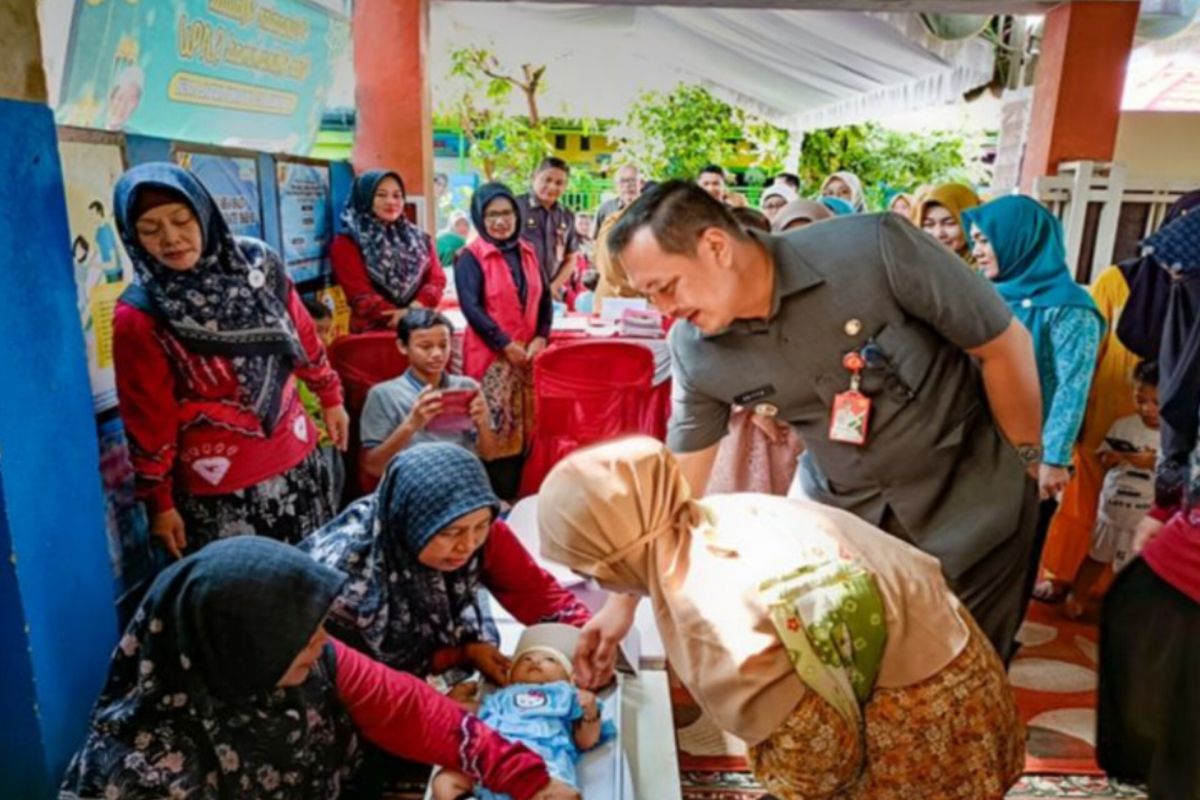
(1140, 327)
(479, 203)
(1177, 248)
(190, 706)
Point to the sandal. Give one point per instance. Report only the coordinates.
(1051, 591)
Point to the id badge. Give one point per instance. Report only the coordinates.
(848, 422)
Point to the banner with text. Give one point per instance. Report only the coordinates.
(233, 183)
(304, 218)
(238, 73)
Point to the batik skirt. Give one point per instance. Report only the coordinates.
(955, 736)
(287, 507)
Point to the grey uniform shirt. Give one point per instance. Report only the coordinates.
(551, 231)
(389, 404)
(933, 456)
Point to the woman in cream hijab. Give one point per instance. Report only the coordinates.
(848, 187)
(836, 652)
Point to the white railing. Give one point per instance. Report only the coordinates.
(1081, 185)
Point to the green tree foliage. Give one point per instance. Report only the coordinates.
(675, 134)
(888, 160)
(503, 147)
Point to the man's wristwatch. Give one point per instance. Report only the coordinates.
(1030, 454)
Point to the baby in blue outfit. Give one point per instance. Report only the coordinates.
(541, 709)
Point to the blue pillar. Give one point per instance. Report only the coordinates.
(57, 624)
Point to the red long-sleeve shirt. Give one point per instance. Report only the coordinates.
(368, 308)
(528, 592)
(185, 417)
(404, 716)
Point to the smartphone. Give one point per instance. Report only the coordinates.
(1119, 445)
(456, 412)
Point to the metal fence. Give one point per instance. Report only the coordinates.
(590, 199)
(1105, 211)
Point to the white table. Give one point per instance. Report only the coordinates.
(607, 332)
(647, 725)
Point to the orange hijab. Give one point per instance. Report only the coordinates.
(955, 198)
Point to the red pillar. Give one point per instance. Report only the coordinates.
(1081, 74)
(394, 127)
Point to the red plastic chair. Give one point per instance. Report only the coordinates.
(363, 360)
(584, 393)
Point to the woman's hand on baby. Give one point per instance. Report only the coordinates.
(600, 639)
(488, 659)
(464, 693)
(557, 790)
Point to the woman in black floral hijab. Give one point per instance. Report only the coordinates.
(225, 685)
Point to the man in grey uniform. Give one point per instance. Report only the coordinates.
(913, 387)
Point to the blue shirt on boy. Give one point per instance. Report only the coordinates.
(389, 404)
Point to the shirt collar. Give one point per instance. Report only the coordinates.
(418, 383)
(793, 274)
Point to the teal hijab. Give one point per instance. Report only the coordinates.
(1028, 241)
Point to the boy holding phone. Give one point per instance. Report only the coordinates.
(424, 404)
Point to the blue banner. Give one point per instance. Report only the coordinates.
(233, 183)
(304, 218)
(239, 73)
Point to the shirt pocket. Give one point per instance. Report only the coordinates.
(908, 352)
(899, 358)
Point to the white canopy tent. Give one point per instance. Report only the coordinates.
(799, 69)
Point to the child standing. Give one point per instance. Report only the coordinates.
(322, 318)
(1128, 455)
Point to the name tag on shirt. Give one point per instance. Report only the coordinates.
(849, 419)
(754, 395)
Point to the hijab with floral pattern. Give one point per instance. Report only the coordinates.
(191, 708)
(233, 303)
(394, 608)
(396, 254)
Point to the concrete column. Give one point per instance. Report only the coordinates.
(1081, 75)
(394, 127)
(57, 620)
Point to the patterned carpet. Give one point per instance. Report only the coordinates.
(1055, 678)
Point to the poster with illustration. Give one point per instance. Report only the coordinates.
(304, 218)
(253, 74)
(102, 268)
(233, 183)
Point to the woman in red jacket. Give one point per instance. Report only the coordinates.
(225, 685)
(208, 342)
(384, 263)
(509, 312)
(418, 552)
